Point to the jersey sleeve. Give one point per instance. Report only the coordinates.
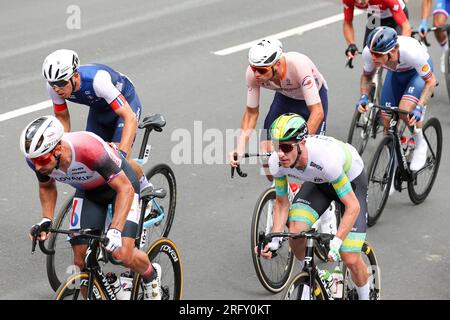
(59, 104)
(253, 90)
(348, 10)
(418, 58)
(397, 12)
(303, 66)
(368, 65)
(280, 180)
(104, 88)
(336, 174)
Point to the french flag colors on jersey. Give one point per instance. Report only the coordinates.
(59, 107)
(118, 102)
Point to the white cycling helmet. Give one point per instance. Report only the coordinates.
(40, 136)
(265, 53)
(60, 65)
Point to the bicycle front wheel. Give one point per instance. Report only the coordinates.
(274, 273)
(420, 186)
(380, 175)
(299, 289)
(162, 176)
(76, 288)
(360, 129)
(165, 253)
(373, 271)
(60, 265)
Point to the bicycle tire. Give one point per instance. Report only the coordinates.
(354, 135)
(66, 289)
(419, 197)
(284, 257)
(447, 71)
(55, 277)
(374, 276)
(163, 228)
(298, 283)
(373, 214)
(166, 254)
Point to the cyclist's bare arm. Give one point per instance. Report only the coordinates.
(349, 32)
(47, 196)
(366, 80)
(427, 91)
(315, 117)
(129, 128)
(248, 123)
(281, 211)
(124, 199)
(426, 8)
(406, 29)
(350, 215)
(64, 117)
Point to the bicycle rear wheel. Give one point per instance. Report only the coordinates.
(420, 186)
(274, 273)
(298, 289)
(60, 265)
(373, 271)
(161, 176)
(380, 175)
(76, 289)
(165, 253)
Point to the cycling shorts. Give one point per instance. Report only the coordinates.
(282, 104)
(313, 199)
(442, 7)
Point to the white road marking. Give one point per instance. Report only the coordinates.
(25, 110)
(288, 33)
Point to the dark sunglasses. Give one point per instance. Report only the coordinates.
(59, 83)
(285, 147)
(261, 70)
(44, 159)
(377, 54)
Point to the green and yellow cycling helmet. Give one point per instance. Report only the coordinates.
(288, 126)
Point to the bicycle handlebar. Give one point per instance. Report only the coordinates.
(322, 238)
(84, 232)
(349, 62)
(424, 39)
(246, 155)
(389, 109)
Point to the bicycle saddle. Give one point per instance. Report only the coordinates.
(149, 192)
(154, 122)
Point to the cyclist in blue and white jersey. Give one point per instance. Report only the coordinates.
(114, 104)
(409, 82)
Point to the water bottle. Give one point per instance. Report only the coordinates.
(338, 283)
(115, 284)
(126, 280)
(327, 280)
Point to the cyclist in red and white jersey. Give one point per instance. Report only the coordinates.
(101, 175)
(389, 13)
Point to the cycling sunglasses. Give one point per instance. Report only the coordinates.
(44, 159)
(261, 70)
(286, 147)
(59, 83)
(377, 54)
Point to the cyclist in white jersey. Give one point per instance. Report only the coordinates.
(332, 171)
(409, 82)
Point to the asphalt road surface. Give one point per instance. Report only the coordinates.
(168, 50)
